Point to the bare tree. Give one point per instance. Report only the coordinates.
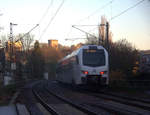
(26, 40)
(102, 34)
(36, 62)
(102, 29)
(123, 56)
(3, 40)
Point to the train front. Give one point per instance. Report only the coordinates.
(94, 66)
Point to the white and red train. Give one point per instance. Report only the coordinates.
(87, 65)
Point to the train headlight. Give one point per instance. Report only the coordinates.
(85, 72)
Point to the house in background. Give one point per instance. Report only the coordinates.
(53, 43)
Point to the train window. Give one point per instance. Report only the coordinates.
(93, 58)
(145, 58)
(93, 47)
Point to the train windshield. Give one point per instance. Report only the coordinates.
(94, 57)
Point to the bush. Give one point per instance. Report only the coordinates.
(117, 79)
(123, 56)
(6, 93)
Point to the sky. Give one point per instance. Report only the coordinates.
(133, 25)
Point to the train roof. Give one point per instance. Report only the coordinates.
(145, 52)
(82, 47)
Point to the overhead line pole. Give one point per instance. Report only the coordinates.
(11, 47)
(107, 36)
(11, 36)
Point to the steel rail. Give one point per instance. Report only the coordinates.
(49, 108)
(124, 101)
(126, 97)
(104, 106)
(112, 108)
(132, 102)
(78, 106)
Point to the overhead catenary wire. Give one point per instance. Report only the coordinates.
(110, 2)
(78, 25)
(119, 13)
(21, 38)
(93, 13)
(58, 9)
(84, 31)
(127, 9)
(38, 23)
(27, 33)
(45, 13)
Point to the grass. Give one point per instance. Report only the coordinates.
(6, 93)
(125, 89)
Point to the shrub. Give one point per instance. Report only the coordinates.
(117, 79)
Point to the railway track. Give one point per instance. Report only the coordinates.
(59, 100)
(135, 107)
(60, 106)
(136, 102)
(46, 105)
(125, 97)
(113, 104)
(26, 104)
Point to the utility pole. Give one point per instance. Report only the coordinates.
(100, 39)
(11, 37)
(107, 36)
(106, 41)
(11, 47)
(99, 36)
